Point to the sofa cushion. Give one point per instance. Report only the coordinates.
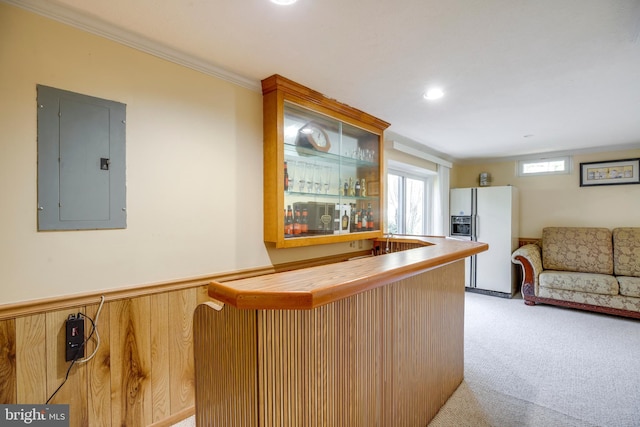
(626, 251)
(583, 249)
(629, 286)
(602, 284)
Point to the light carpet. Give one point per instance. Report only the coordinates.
(545, 366)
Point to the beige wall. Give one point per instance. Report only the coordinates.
(558, 200)
(194, 168)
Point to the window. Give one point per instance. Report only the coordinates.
(552, 166)
(408, 201)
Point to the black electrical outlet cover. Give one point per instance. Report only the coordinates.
(75, 338)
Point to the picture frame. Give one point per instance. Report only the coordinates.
(611, 172)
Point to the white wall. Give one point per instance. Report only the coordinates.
(194, 168)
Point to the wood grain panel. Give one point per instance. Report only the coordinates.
(131, 362)
(99, 370)
(8, 392)
(160, 361)
(31, 359)
(225, 377)
(182, 304)
(130, 379)
(390, 356)
(74, 391)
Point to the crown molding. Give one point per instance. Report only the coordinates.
(100, 28)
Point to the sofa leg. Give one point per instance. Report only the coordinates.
(527, 302)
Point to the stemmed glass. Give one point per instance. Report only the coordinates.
(326, 178)
(317, 175)
(293, 173)
(309, 170)
(301, 175)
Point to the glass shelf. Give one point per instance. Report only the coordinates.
(314, 148)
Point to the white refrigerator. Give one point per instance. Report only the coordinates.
(494, 217)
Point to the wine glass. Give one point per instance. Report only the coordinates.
(293, 173)
(301, 175)
(317, 177)
(309, 170)
(326, 178)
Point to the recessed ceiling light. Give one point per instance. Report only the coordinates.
(433, 94)
(283, 2)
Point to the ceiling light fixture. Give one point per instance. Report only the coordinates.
(283, 2)
(433, 94)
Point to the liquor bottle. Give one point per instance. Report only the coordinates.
(352, 190)
(370, 225)
(345, 220)
(357, 188)
(363, 215)
(363, 188)
(346, 188)
(358, 220)
(304, 223)
(286, 177)
(288, 225)
(354, 217)
(297, 220)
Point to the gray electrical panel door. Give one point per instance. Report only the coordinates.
(81, 161)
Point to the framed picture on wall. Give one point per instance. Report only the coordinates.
(612, 172)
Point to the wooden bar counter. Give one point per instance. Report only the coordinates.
(376, 341)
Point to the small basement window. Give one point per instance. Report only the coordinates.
(549, 166)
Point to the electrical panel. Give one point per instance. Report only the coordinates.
(81, 161)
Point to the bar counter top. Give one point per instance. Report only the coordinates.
(312, 287)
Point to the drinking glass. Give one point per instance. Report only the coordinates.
(309, 170)
(301, 175)
(293, 173)
(326, 178)
(317, 177)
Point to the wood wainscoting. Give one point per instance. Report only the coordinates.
(143, 372)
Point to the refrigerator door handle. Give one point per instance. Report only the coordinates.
(477, 225)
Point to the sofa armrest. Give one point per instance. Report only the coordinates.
(530, 259)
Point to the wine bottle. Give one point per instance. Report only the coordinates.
(345, 220)
(370, 225)
(357, 188)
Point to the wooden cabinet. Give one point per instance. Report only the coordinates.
(323, 179)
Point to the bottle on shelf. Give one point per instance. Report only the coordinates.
(345, 220)
(353, 217)
(363, 216)
(352, 190)
(304, 222)
(357, 188)
(286, 177)
(370, 225)
(346, 188)
(363, 188)
(297, 222)
(288, 224)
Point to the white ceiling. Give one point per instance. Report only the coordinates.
(566, 72)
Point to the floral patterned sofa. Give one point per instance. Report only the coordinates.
(583, 267)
